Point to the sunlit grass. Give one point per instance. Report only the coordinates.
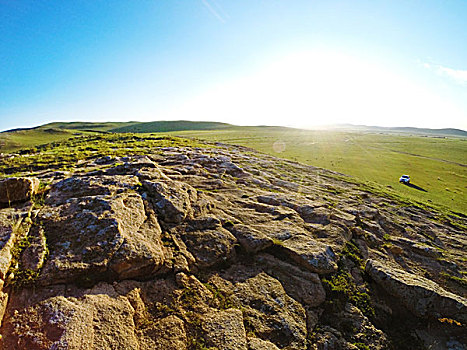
(436, 165)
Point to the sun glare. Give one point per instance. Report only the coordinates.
(316, 88)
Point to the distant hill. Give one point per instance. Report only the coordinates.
(105, 126)
(14, 139)
(166, 126)
(403, 130)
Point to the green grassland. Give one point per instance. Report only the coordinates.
(13, 140)
(69, 154)
(166, 126)
(437, 165)
(88, 126)
(24, 138)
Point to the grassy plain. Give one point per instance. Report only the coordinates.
(69, 154)
(18, 139)
(13, 140)
(437, 165)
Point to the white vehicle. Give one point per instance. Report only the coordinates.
(404, 179)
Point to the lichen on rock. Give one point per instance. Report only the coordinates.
(163, 243)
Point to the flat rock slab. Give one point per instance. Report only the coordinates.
(88, 235)
(420, 295)
(311, 254)
(95, 321)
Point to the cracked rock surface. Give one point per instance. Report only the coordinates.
(220, 247)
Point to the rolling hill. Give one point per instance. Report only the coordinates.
(401, 130)
(15, 139)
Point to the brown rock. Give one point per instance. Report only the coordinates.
(33, 257)
(423, 296)
(85, 186)
(194, 294)
(259, 344)
(57, 323)
(365, 332)
(251, 240)
(141, 253)
(113, 323)
(96, 228)
(172, 199)
(3, 304)
(270, 313)
(166, 334)
(210, 247)
(225, 330)
(304, 286)
(8, 239)
(311, 254)
(311, 214)
(18, 189)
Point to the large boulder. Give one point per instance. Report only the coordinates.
(172, 199)
(18, 189)
(100, 319)
(420, 295)
(270, 313)
(88, 235)
(210, 247)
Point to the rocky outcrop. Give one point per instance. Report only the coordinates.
(424, 297)
(103, 233)
(18, 189)
(173, 247)
(270, 313)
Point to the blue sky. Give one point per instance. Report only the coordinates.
(293, 63)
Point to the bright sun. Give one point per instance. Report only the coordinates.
(316, 88)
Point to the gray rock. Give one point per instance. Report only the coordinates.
(311, 254)
(270, 313)
(172, 199)
(423, 296)
(210, 247)
(251, 240)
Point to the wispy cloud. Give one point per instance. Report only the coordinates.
(216, 12)
(458, 75)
